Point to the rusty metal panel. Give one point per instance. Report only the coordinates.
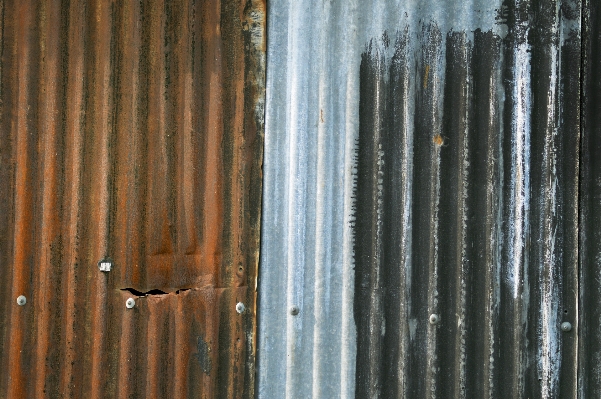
(420, 219)
(130, 139)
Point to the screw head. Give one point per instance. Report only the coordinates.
(434, 319)
(130, 303)
(566, 326)
(21, 300)
(240, 308)
(294, 310)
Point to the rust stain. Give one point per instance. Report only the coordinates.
(23, 208)
(426, 75)
(438, 140)
(52, 151)
(134, 132)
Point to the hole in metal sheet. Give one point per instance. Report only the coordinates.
(154, 291)
(140, 293)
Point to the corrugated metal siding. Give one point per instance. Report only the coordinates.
(421, 200)
(130, 132)
(589, 376)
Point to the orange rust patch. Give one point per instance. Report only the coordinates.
(438, 140)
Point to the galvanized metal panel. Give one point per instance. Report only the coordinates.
(131, 133)
(421, 200)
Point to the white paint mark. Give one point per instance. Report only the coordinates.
(520, 196)
(105, 266)
(412, 328)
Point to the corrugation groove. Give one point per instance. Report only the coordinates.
(131, 133)
(459, 190)
(589, 345)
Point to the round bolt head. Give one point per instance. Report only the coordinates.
(434, 319)
(21, 300)
(240, 308)
(566, 326)
(294, 310)
(130, 303)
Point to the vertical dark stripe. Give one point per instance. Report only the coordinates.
(541, 268)
(454, 266)
(368, 233)
(483, 190)
(589, 377)
(423, 214)
(395, 257)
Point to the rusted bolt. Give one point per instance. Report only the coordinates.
(434, 319)
(240, 308)
(130, 303)
(21, 300)
(294, 310)
(566, 326)
(105, 265)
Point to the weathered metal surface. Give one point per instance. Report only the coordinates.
(421, 200)
(589, 354)
(130, 132)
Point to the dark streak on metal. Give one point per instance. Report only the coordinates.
(589, 316)
(202, 355)
(368, 225)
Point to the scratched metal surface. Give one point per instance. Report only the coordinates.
(421, 198)
(130, 132)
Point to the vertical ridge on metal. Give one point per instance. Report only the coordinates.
(421, 200)
(589, 354)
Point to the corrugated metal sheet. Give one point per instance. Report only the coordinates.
(420, 218)
(131, 133)
(589, 324)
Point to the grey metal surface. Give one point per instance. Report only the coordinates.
(421, 158)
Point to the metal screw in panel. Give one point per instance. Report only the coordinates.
(566, 326)
(434, 319)
(130, 303)
(21, 300)
(240, 308)
(294, 310)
